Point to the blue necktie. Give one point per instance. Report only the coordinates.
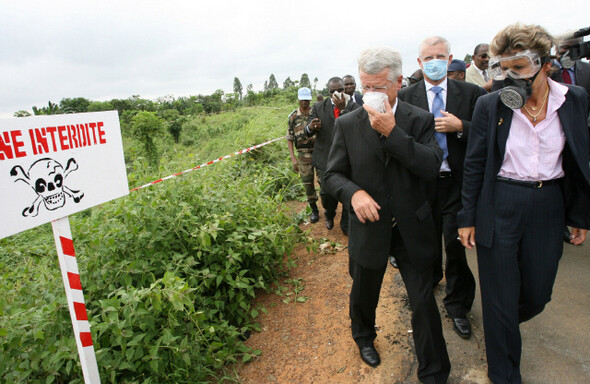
(437, 105)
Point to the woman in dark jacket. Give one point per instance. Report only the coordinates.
(526, 176)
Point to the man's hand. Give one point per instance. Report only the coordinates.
(448, 123)
(340, 102)
(578, 236)
(295, 164)
(467, 237)
(381, 122)
(315, 125)
(365, 207)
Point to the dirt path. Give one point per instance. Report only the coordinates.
(310, 341)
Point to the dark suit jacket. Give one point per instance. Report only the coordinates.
(582, 76)
(485, 154)
(324, 110)
(358, 98)
(461, 99)
(396, 173)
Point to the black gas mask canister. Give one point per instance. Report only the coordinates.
(516, 91)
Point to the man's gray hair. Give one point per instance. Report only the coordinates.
(433, 40)
(374, 60)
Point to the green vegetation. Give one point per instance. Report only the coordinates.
(145, 127)
(169, 272)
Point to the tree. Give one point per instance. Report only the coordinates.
(230, 101)
(22, 113)
(238, 87)
(144, 127)
(467, 59)
(188, 105)
(174, 121)
(165, 102)
(252, 98)
(121, 105)
(288, 83)
(212, 103)
(249, 87)
(315, 83)
(265, 85)
(51, 109)
(272, 82)
(75, 105)
(304, 82)
(141, 104)
(96, 106)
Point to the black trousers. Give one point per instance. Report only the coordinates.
(330, 203)
(517, 273)
(460, 287)
(431, 350)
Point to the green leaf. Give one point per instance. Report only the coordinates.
(154, 364)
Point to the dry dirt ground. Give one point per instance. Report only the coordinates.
(309, 341)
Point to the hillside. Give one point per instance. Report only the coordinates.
(169, 272)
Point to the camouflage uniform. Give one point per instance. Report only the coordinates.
(304, 145)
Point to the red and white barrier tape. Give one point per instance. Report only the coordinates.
(208, 163)
(75, 297)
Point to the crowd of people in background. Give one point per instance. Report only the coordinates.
(492, 154)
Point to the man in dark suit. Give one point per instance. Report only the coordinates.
(321, 124)
(578, 74)
(350, 89)
(381, 166)
(452, 112)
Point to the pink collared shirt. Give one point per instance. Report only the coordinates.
(534, 152)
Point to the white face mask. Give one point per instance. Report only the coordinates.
(375, 100)
(337, 96)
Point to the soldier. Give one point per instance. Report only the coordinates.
(304, 144)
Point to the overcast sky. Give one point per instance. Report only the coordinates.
(107, 49)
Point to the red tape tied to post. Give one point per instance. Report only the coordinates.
(208, 163)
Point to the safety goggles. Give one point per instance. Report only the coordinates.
(521, 65)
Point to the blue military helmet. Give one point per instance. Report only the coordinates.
(304, 93)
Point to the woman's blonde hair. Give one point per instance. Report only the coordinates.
(522, 37)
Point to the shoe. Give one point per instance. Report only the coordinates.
(370, 356)
(315, 216)
(462, 327)
(393, 262)
(329, 223)
(566, 235)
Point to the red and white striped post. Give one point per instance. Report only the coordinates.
(71, 277)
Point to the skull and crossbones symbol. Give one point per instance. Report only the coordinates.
(47, 178)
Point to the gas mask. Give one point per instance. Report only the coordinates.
(564, 48)
(516, 91)
(566, 61)
(518, 71)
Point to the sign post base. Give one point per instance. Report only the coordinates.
(71, 278)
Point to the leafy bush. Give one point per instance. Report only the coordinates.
(145, 126)
(169, 272)
(156, 335)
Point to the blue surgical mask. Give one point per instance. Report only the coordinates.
(435, 69)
